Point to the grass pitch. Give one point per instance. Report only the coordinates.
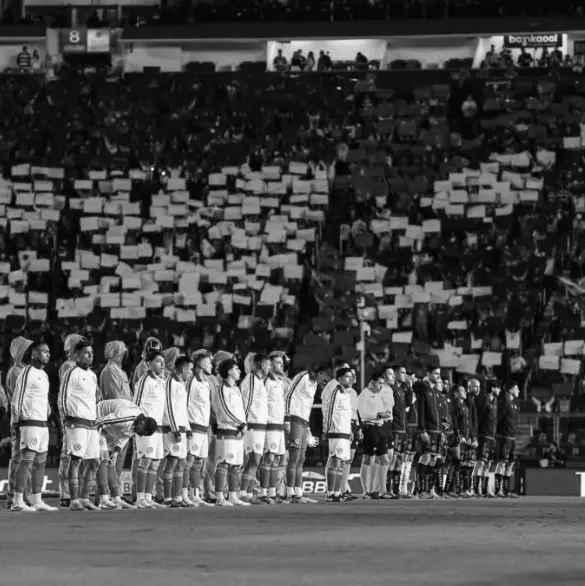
(532, 541)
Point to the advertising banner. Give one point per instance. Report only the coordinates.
(83, 40)
(533, 41)
(554, 482)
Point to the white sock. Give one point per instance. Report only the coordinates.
(250, 495)
(263, 491)
(104, 498)
(36, 499)
(336, 492)
(148, 497)
(139, 496)
(18, 498)
(220, 496)
(272, 491)
(290, 491)
(185, 494)
(197, 493)
(233, 496)
(242, 493)
(299, 491)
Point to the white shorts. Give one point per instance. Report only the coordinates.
(150, 446)
(340, 448)
(275, 442)
(173, 448)
(83, 442)
(230, 450)
(254, 441)
(34, 438)
(199, 445)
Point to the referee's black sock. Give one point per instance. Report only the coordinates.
(498, 483)
(506, 483)
(396, 481)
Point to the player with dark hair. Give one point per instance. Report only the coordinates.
(399, 423)
(255, 400)
(506, 440)
(142, 367)
(118, 421)
(458, 478)
(150, 397)
(176, 432)
(429, 426)
(487, 421)
(78, 405)
(30, 411)
(473, 389)
(411, 437)
(299, 402)
(445, 405)
(231, 427)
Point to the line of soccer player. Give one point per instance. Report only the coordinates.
(179, 409)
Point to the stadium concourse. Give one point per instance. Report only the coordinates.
(538, 541)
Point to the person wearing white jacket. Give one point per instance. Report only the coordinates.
(30, 412)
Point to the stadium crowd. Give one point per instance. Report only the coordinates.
(255, 211)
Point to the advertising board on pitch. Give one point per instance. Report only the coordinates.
(533, 41)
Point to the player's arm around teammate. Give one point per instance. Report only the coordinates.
(150, 397)
(30, 411)
(176, 432)
(231, 425)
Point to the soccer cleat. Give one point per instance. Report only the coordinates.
(293, 500)
(332, 498)
(64, 502)
(238, 502)
(375, 496)
(389, 496)
(424, 496)
(512, 495)
(155, 505)
(88, 505)
(203, 503)
(223, 503)
(190, 503)
(179, 505)
(123, 504)
(279, 500)
(44, 507)
(255, 501)
(266, 500)
(350, 496)
(500, 495)
(244, 498)
(22, 508)
(308, 500)
(142, 504)
(107, 504)
(76, 506)
(367, 496)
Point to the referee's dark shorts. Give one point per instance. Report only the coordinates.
(375, 442)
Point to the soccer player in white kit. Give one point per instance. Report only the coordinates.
(199, 410)
(298, 405)
(142, 367)
(118, 421)
(30, 412)
(337, 427)
(275, 447)
(255, 402)
(79, 390)
(231, 425)
(176, 432)
(150, 396)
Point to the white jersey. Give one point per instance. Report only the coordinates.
(198, 401)
(229, 407)
(275, 393)
(31, 396)
(255, 399)
(337, 412)
(150, 396)
(370, 404)
(328, 391)
(175, 416)
(299, 399)
(116, 419)
(79, 390)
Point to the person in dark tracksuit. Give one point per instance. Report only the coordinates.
(411, 407)
(399, 423)
(506, 440)
(444, 404)
(429, 427)
(472, 400)
(458, 477)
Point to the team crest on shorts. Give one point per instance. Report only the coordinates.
(33, 441)
(258, 446)
(176, 448)
(150, 450)
(195, 447)
(77, 447)
(273, 446)
(297, 442)
(339, 451)
(230, 456)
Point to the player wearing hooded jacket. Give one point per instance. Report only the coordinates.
(17, 349)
